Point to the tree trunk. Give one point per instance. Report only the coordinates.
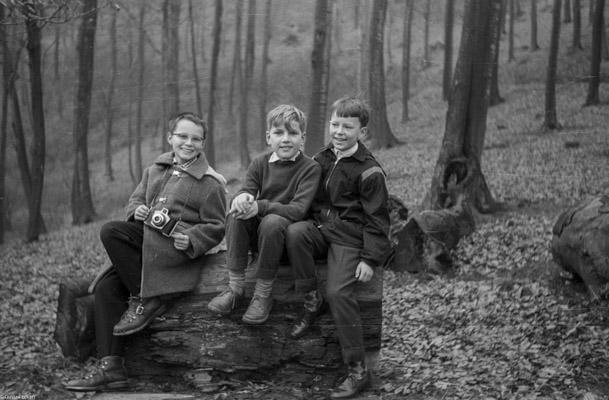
(579, 244)
(590, 11)
(426, 61)
(263, 71)
(577, 25)
(378, 127)
(210, 151)
(141, 58)
(202, 46)
(110, 98)
(173, 63)
(448, 48)
(6, 77)
(458, 163)
(320, 65)
(495, 97)
(130, 134)
(407, 42)
(236, 74)
(567, 12)
(595, 60)
(82, 202)
(511, 31)
(38, 143)
(534, 44)
(246, 82)
(388, 35)
(189, 339)
(363, 65)
(550, 121)
(193, 48)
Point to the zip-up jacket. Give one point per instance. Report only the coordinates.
(351, 203)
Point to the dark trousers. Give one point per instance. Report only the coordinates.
(123, 243)
(265, 235)
(305, 243)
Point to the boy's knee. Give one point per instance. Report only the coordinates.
(108, 230)
(273, 223)
(296, 232)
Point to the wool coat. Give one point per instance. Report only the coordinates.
(196, 198)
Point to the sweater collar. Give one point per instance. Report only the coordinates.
(360, 154)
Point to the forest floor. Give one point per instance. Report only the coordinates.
(508, 324)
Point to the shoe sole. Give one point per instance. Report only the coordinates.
(218, 311)
(107, 386)
(157, 313)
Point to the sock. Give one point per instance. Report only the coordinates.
(264, 287)
(236, 281)
(312, 301)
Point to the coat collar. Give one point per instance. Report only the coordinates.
(360, 155)
(197, 170)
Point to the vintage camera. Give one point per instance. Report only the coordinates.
(161, 221)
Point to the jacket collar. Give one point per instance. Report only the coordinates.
(197, 170)
(360, 155)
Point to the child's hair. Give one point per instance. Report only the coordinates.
(352, 107)
(190, 116)
(285, 113)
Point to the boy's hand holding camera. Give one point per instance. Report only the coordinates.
(244, 206)
(180, 240)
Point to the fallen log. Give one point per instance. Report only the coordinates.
(190, 342)
(580, 243)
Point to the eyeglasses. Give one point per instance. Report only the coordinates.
(197, 140)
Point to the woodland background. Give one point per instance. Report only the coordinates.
(507, 324)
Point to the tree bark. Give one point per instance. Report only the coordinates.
(363, 65)
(577, 25)
(320, 65)
(266, 40)
(82, 202)
(246, 83)
(378, 127)
(592, 97)
(460, 155)
(448, 48)
(110, 98)
(567, 12)
(173, 62)
(534, 43)
(236, 72)
(38, 144)
(407, 42)
(193, 48)
(210, 151)
(3, 125)
(551, 121)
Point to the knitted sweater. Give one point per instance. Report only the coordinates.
(285, 188)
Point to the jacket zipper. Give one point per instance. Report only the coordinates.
(328, 180)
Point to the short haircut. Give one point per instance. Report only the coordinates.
(352, 107)
(189, 116)
(284, 113)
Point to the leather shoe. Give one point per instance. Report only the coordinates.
(258, 311)
(357, 379)
(225, 302)
(139, 314)
(306, 319)
(109, 375)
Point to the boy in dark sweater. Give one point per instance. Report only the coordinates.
(350, 227)
(278, 190)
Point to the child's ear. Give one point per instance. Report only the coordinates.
(364, 132)
(169, 135)
(268, 137)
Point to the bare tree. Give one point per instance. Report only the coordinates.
(82, 201)
(236, 73)
(193, 49)
(6, 77)
(577, 25)
(567, 12)
(448, 48)
(173, 61)
(320, 64)
(246, 82)
(266, 40)
(595, 59)
(534, 44)
(379, 128)
(363, 64)
(494, 96)
(426, 15)
(551, 121)
(406, 45)
(110, 97)
(213, 74)
(465, 130)
(511, 31)
(141, 59)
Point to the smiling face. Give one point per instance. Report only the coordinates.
(186, 140)
(285, 139)
(345, 131)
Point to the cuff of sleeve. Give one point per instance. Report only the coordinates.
(263, 205)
